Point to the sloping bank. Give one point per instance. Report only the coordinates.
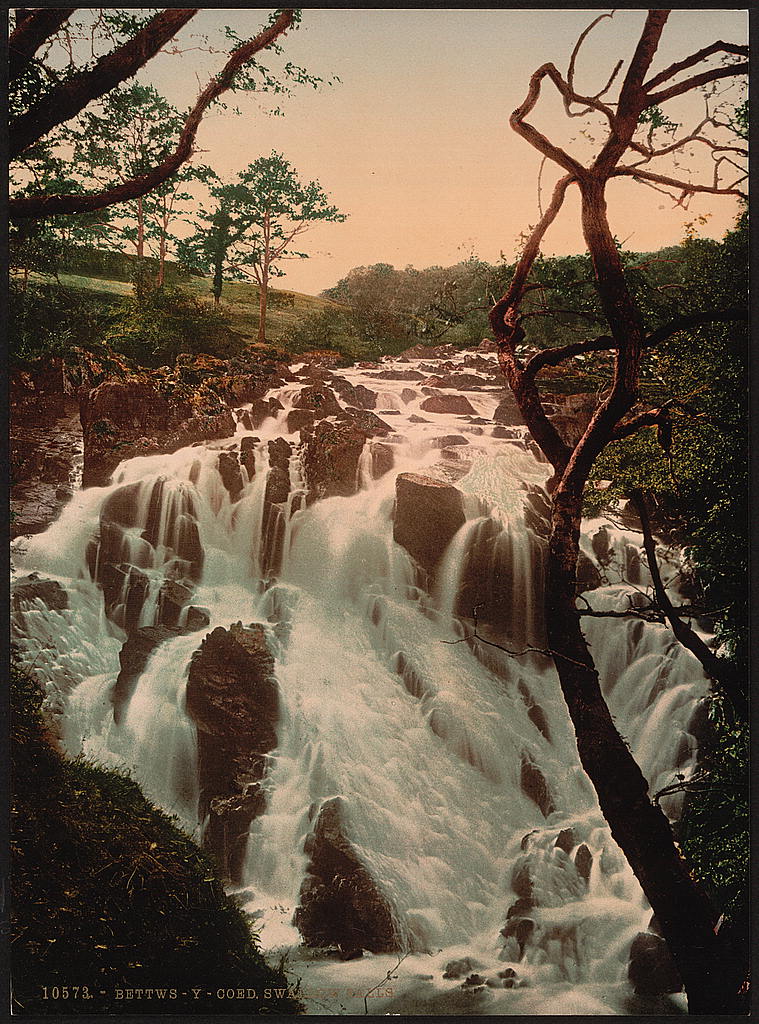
(114, 910)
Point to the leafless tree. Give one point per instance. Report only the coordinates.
(639, 827)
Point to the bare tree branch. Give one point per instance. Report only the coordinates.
(70, 97)
(695, 58)
(688, 187)
(713, 75)
(39, 206)
(30, 33)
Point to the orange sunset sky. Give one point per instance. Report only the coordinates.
(413, 142)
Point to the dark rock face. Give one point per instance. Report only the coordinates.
(428, 352)
(42, 467)
(451, 404)
(331, 455)
(427, 515)
(366, 421)
(651, 969)
(583, 861)
(340, 903)
(383, 459)
(535, 786)
(33, 587)
(319, 399)
(123, 419)
(233, 698)
(229, 469)
(588, 576)
(357, 395)
(398, 375)
(448, 439)
(573, 414)
(507, 412)
(133, 657)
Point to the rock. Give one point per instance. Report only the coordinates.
(383, 459)
(417, 419)
(537, 511)
(330, 457)
(428, 352)
(456, 969)
(573, 416)
(233, 698)
(357, 395)
(535, 786)
(427, 514)
(172, 598)
(408, 395)
(522, 929)
(487, 345)
(276, 494)
(588, 576)
(35, 588)
(229, 468)
(473, 980)
(340, 903)
(366, 421)
(261, 409)
(651, 969)
(197, 618)
(319, 399)
(507, 412)
(510, 433)
(299, 419)
(448, 439)
(584, 861)
(248, 447)
(398, 375)
(451, 404)
(133, 657)
(565, 840)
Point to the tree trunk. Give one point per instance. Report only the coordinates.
(641, 830)
(140, 229)
(263, 290)
(221, 223)
(162, 258)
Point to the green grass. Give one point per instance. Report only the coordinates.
(109, 896)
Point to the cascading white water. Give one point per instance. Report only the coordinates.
(427, 736)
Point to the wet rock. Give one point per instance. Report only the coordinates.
(487, 345)
(534, 785)
(448, 439)
(408, 395)
(651, 969)
(197, 618)
(507, 433)
(357, 395)
(233, 698)
(319, 399)
(451, 404)
(261, 409)
(456, 969)
(172, 598)
(330, 458)
(537, 511)
(340, 903)
(429, 352)
(417, 419)
(522, 929)
(276, 494)
(133, 657)
(229, 470)
(366, 421)
(584, 862)
(573, 416)
(299, 419)
(35, 588)
(398, 375)
(588, 576)
(136, 592)
(248, 447)
(427, 515)
(383, 459)
(473, 981)
(507, 411)
(565, 840)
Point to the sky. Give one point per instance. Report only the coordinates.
(414, 144)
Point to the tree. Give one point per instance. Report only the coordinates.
(256, 220)
(630, 129)
(71, 92)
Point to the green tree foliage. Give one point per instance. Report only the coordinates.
(255, 221)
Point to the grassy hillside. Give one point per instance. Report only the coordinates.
(108, 896)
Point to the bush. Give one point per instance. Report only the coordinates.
(157, 324)
(109, 894)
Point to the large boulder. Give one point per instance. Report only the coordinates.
(428, 352)
(457, 405)
(34, 588)
(330, 458)
(233, 698)
(427, 514)
(507, 411)
(126, 418)
(276, 494)
(340, 903)
(356, 395)
(319, 399)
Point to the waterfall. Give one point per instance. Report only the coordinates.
(455, 764)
